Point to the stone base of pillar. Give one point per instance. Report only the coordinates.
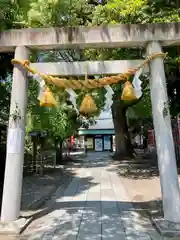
(166, 228)
(14, 228)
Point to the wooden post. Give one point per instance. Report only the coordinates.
(34, 140)
(164, 138)
(15, 141)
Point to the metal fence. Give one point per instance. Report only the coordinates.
(43, 160)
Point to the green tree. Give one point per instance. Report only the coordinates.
(47, 13)
(59, 122)
(128, 11)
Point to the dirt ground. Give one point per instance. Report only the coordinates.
(143, 190)
(145, 194)
(142, 183)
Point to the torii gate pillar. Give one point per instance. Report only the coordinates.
(164, 139)
(15, 141)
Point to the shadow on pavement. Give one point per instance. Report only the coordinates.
(35, 186)
(93, 220)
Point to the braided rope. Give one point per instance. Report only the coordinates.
(88, 83)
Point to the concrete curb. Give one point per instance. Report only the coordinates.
(15, 228)
(166, 228)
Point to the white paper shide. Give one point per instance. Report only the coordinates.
(109, 96)
(72, 97)
(137, 84)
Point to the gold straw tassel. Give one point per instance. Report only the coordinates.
(47, 99)
(128, 92)
(88, 105)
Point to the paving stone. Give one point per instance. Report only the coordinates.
(94, 206)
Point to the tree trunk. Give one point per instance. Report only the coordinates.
(124, 147)
(58, 147)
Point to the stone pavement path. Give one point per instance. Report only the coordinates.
(94, 206)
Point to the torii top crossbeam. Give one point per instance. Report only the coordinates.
(126, 35)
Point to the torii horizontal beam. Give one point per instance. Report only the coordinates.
(91, 68)
(125, 35)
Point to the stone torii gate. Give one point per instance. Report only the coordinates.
(149, 36)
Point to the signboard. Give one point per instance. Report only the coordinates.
(98, 144)
(37, 133)
(107, 142)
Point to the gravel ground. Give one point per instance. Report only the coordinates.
(35, 187)
(142, 184)
(145, 194)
